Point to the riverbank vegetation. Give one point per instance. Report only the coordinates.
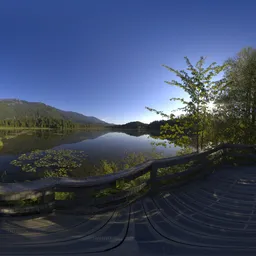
(45, 123)
(68, 163)
(217, 111)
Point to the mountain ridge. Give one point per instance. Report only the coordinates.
(16, 108)
(131, 125)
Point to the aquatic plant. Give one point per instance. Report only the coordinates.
(53, 163)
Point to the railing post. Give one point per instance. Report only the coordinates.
(254, 149)
(153, 182)
(48, 200)
(224, 158)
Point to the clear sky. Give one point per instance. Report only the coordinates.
(103, 57)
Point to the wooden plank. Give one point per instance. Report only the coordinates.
(28, 186)
(106, 179)
(21, 196)
(180, 174)
(27, 209)
(162, 163)
(253, 156)
(153, 178)
(122, 195)
(25, 196)
(240, 146)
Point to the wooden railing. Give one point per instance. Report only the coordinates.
(150, 177)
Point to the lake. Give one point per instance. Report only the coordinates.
(98, 145)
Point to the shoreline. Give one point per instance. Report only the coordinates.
(52, 129)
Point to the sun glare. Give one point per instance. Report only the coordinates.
(210, 105)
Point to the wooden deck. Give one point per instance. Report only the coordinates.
(215, 215)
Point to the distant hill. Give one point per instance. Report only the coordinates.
(153, 126)
(132, 125)
(19, 109)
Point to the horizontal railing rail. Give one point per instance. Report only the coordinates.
(44, 189)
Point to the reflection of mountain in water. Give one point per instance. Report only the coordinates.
(134, 133)
(138, 133)
(45, 139)
(17, 142)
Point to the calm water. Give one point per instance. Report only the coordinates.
(97, 145)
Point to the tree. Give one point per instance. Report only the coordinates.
(199, 85)
(236, 99)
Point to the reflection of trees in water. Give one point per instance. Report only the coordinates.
(18, 141)
(44, 139)
(138, 133)
(28, 141)
(135, 133)
(155, 134)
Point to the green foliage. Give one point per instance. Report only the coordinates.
(174, 169)
(231, 116)
(178, 168)
(53, 163)
(23, 203)
(46, 123)
(198, 83)
(235, 115)
(129, 161)
(64, 195)
(36, 114)
(132, 125)
(184, 151)
(1, 143)
(108, 167)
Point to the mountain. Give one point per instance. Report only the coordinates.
(142, 127)
(132, 125)
(18, 109)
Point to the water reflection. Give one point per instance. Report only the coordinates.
(18, 142)
(101, 144)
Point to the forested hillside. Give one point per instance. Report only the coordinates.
(15, 109)
(132, 125)
(19, 113)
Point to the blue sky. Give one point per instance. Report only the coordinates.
(103, 58)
